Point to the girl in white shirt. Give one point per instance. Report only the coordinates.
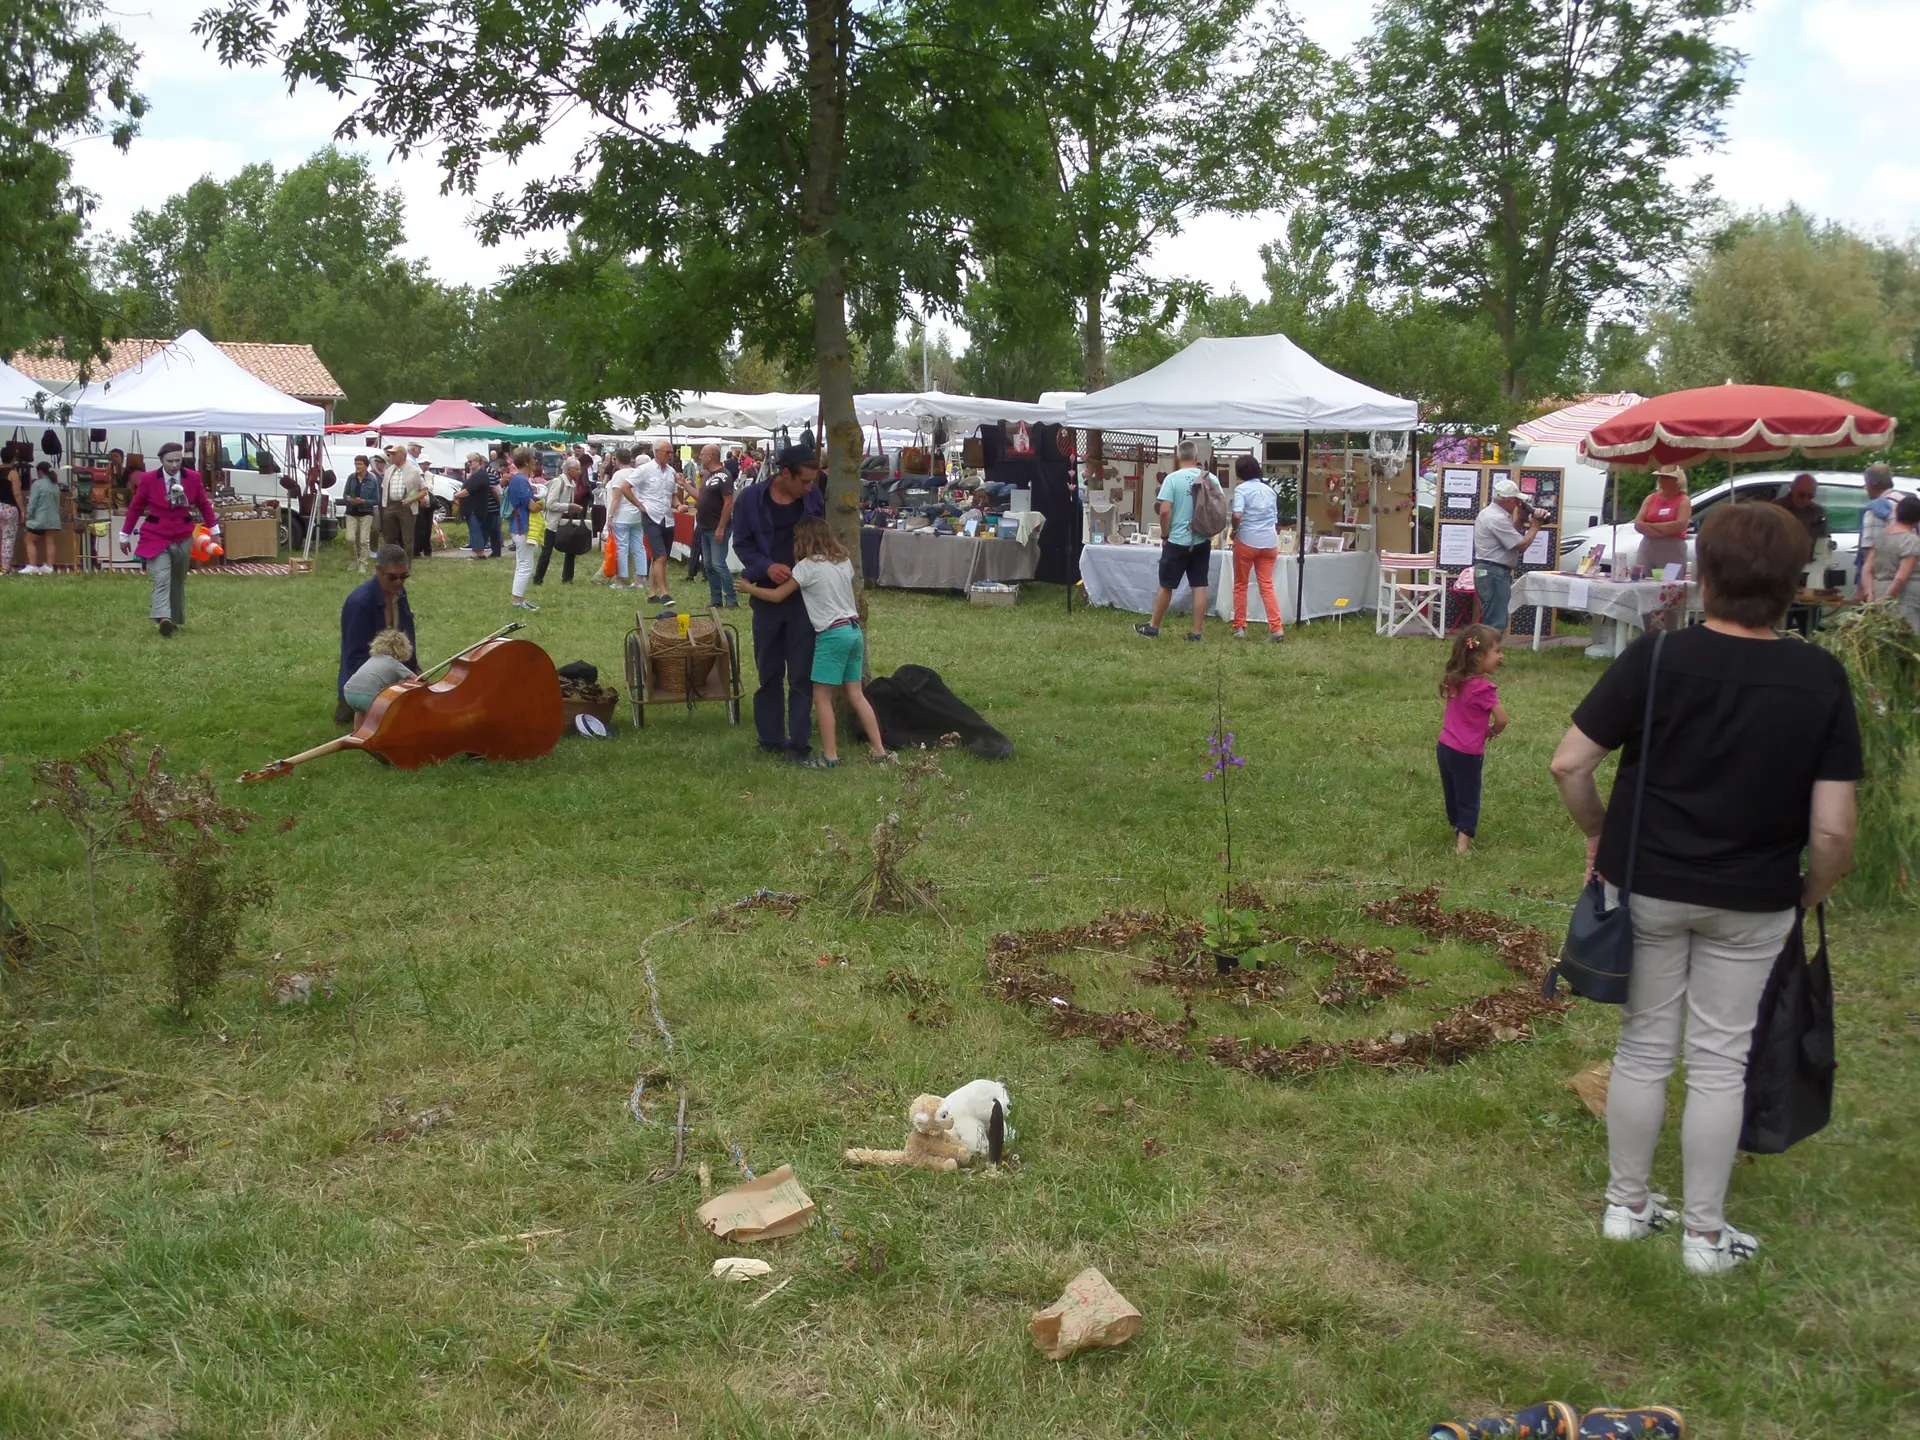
(823, 575)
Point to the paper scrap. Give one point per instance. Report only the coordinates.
(1088, 1315)
(763, 1209)
(1591, 1086)
(739, 1268)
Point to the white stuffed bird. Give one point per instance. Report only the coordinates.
(978, 1112)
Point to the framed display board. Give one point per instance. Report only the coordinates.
(1542, 488)
(1456, 503)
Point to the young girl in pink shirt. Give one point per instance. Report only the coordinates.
(1474, 715)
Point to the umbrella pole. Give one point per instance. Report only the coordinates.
(1300, 532)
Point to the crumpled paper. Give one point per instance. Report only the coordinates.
(1591, 1086)
(763, 1209)
(740, 1268)
(1088, 1315)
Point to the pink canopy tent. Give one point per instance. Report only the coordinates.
(441, 415)
(1571, 425)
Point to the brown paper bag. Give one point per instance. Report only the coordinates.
(1090, 1314)
(1591, 1086)
(763, 1209)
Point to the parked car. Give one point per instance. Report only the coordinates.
(1843, 494)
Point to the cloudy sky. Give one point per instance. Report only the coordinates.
(1822, 119)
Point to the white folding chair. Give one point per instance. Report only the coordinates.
(1414, 605)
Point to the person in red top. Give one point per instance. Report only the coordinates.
(167, 498)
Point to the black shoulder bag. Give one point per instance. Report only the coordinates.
(1597, 959)
(1791, 1065)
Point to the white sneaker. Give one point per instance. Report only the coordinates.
(1620, 1223)
(1702, 1256)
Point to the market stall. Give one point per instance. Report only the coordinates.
(1264, 385)
(1126, 577)
(922, 560)
(193, 385)
(1621, 610)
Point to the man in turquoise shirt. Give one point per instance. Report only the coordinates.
(1182, 557)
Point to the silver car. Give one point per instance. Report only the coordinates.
(1843, 494)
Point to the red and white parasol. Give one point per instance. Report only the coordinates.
(1573, 423)
(1736, 422)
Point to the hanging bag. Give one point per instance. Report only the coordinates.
(1791, 1066)
(1597, 959)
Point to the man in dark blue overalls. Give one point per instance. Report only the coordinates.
(764, 515)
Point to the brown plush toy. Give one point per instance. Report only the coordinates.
(930, 1145)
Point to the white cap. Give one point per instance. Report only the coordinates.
(1505, 490)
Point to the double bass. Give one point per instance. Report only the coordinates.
(499, 700)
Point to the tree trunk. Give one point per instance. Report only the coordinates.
(829, 35)
(1093, 339)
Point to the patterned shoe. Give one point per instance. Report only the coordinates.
(1554, 1420)
(1702, 1256)
(1620, 1223)
(1653, 1420)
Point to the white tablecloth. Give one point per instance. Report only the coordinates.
(1126, 577)
(1620, 609)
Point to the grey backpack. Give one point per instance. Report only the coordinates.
(1209, 508)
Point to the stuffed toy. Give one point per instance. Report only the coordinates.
(929, 1145)
(977, 1114)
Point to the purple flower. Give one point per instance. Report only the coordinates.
(1220, 752)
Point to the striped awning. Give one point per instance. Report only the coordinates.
(1572, 425)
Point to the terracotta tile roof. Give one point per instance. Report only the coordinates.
(291, 369)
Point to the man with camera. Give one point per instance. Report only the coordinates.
(1498, 544)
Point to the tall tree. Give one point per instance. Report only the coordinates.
(1511, 159)
(61, 77)
(765, 165)
(1150, 114)
(314, 255)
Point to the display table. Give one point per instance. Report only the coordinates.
(1620, 608)
(1127, 577)
(922, 560)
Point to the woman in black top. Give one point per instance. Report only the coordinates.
(1753, 757)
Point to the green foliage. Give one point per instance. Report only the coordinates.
(62, 79)
(1232, 931)
(203, 905)
(1784, 300)
(1882, 656)
(314, 255)
(1136, 119)
(1512, 161)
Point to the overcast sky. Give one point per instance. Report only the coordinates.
(1824, 118)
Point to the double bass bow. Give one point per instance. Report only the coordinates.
(500, 700)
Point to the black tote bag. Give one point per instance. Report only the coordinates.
(1791, 1066)
(1596, 960)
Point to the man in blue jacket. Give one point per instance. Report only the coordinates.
(377, 604)
(764, 515)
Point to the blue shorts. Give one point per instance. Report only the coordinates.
(838, 655)
(359, 699)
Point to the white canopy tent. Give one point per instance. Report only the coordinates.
(17, 394)
(918, 409)
(1255, 383)
(193, 385)
(395, 412)
(726, 410)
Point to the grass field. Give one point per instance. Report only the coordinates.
(221, 1247)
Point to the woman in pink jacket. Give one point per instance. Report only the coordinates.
(167, 497)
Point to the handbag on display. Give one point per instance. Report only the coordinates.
(1791, 1066)
(1596, 960)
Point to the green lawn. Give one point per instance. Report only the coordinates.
(220, 1247)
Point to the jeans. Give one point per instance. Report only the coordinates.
(783, 652)
(476, 532)
(546, 555)
(1710, 965)
(1494, 585)
(631, 549)
(168, 572)
(1248, 558)
(712, 550)
(1460, 787)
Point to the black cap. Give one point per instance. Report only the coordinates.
(172, 447)
(796, 456)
